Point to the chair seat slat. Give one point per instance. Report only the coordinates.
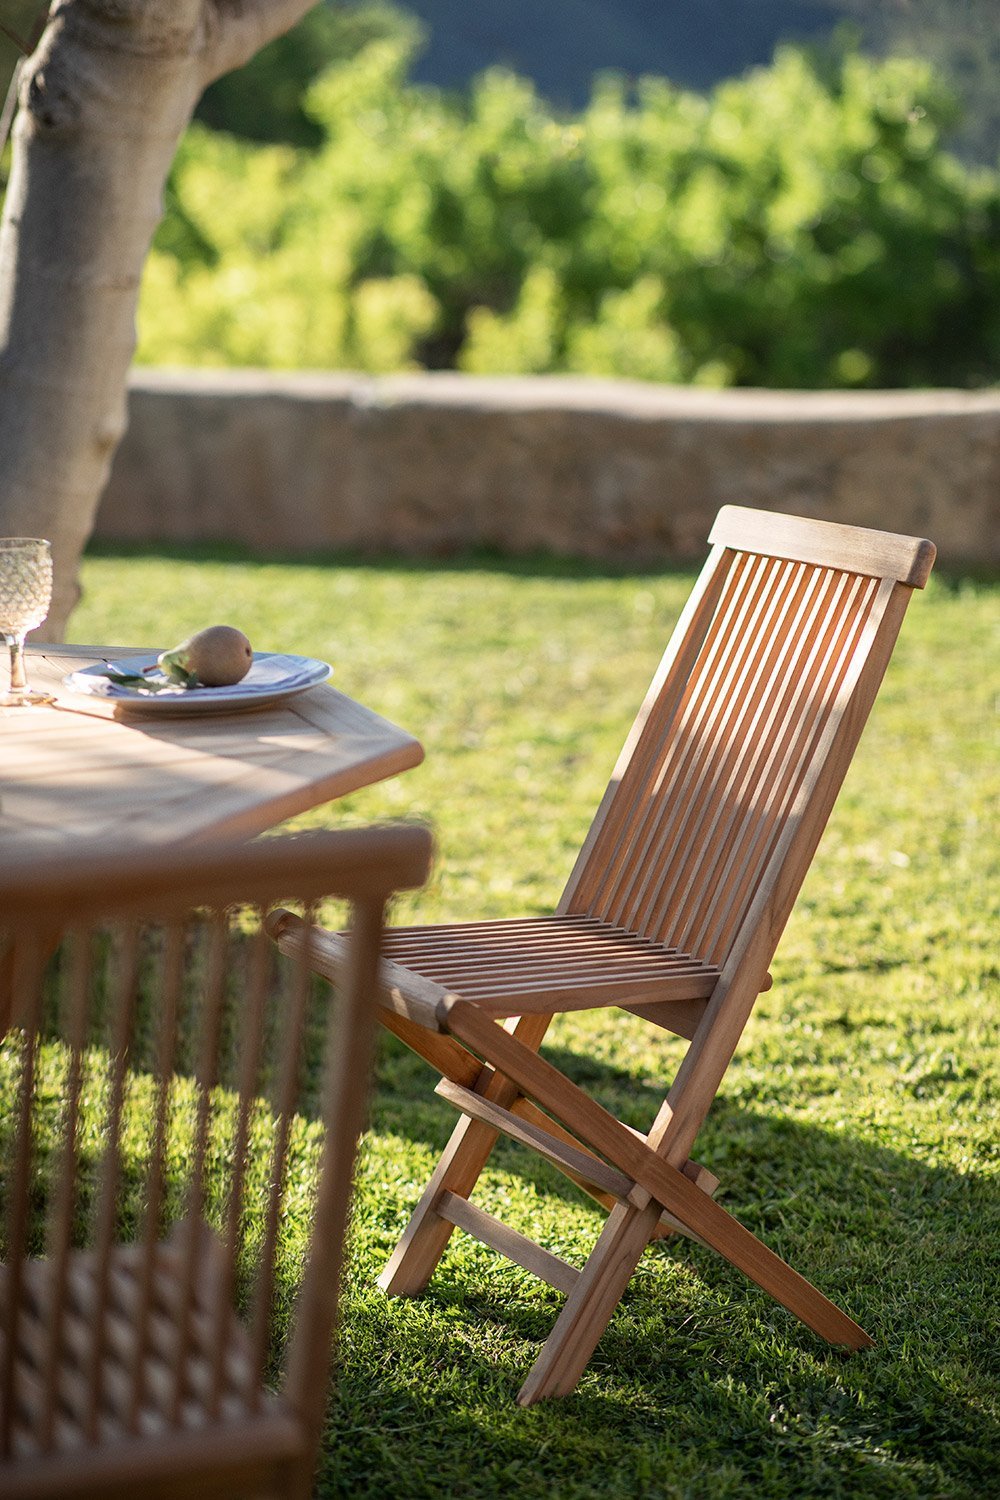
(498, 929)
(540, 974)
(457, 974)
(568, 964)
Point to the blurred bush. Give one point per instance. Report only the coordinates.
(263, 100)
(799, 227)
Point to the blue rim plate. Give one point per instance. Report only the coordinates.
(273, 676)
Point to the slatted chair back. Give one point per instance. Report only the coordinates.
(179, 1108)
(747, 730)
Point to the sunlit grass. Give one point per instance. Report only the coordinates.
(856, 1130)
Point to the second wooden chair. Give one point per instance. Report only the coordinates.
(179, 1110)
(673, 912)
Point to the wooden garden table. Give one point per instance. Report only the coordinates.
(82, 770)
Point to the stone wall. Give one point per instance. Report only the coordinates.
(430, 464)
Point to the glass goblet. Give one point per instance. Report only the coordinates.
(25, 595)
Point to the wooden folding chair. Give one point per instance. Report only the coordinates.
(673, 912)
(179, 1111)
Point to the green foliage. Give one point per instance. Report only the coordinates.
(800, 227)
(962, 39)
(262, 101)
(856, 1132)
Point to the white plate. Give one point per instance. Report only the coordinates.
(272, 677)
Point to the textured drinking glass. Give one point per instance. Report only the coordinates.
(25, 595)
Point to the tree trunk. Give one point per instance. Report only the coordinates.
(105, 99)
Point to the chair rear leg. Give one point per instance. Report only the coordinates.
(590, 1305)
(423, 1242)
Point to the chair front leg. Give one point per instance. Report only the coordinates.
(423, 1242)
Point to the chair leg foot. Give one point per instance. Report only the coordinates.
(717, 1228)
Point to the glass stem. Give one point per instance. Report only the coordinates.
(18, 680)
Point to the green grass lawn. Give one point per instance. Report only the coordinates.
(856, 1132)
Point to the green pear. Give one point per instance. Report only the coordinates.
(218, 656)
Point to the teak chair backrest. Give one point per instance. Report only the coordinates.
(179, 1109)
(735, 759)
(743, 729)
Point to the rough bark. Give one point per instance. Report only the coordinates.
(105, 98)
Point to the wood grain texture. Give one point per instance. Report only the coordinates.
(670, 1188)
(554, 1148)
(545, 964)
(491, 1231)
(79, 769)
(858, 549)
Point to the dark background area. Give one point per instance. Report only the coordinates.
(561, 44)
(18, 17)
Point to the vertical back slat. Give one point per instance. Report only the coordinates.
(76, 1007)
(193, 1227)
(767, 771)
(284, 1104)
(733, 885)
(656, 712)
(27, 965)
(721, 656)
(122, 1023)
(621, 840)
(708, 800)
(348, 1055)
(167, 1008)
(753, 727)
(700, 803)
(254, 1010)
(690, 771)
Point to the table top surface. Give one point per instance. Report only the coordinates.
(82, 769)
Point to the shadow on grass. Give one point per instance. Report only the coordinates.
(475, 560)
(699, 1387)
(663, 1412)
(782, 1177)
(768, 1425)
(699, 1370)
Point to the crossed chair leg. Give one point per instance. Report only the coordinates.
(501, 1084)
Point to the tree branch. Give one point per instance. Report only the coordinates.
(237, 29)
(19, 42)
(9, 109)
(10, 103)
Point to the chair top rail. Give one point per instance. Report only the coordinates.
(855, 549)
(364, 862)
